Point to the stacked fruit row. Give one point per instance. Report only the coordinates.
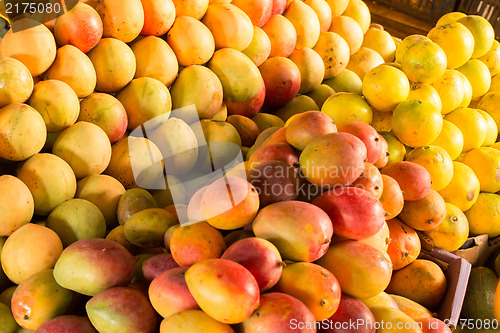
(115, 117)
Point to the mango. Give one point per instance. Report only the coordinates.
(70, 323)
(279, 7)
(85, 147)
(368, 135)
(104, 192)
(281, 79)
(16, 206)
(311, 68)
(50, 179)
(38, 299)
(266, 133)
(355, 264)
(392, 317)
(333, 159)
(136, 162)
(92, 265)
(258, 11)
(23, 132)
(274, 181)
(118, 235)
(416, 311)
(229, 203)
(414, 179)
(178, 145)
(147, 102)
(281, 33)
(312, 284)
(380, 299)
(306, 23)
(163, 288)
(247, 128)
(260, 47)
(157, 264)
(158, 17)
(121, 309)
(405, 246)
(321, 94)
(139, 279)
(169, 234)
(424, 214)
(7, 321)
(334, 51)
(298, 104)
(363, 61)
(279, 312)
(192, 243)
(193, 8)
(266, 120)
(191, 41)
(77, 219)
(380, 240)
(6, 295)
(16, 80)
(132, 201)
(123, 21)
(422, 281)
(351, 310)
(82, 27)
(230, 282)
(240, 78)
(396, 148)
(4, 280)
(32, 44)
(300, 230)
(274, 151)
(155, 59)
(260, 257)
(147, 227)
(57, 103)
(107, 112)
(230, 26)
(349, 221)
(21, 256)
(371, 181)
(192, 86)
(250, 107)
(345, 81)
(114, 63)
(223, 145)
(74, 68)
(193, 321)
(434, 325)
(174, 191)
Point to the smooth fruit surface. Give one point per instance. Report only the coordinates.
(231, 282)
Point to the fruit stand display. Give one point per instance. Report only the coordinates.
(247, 166)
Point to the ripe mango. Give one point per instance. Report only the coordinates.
(214, 283)
(192, 86)
(22, 130)
(38, 299)
(121, 309)
(77, 219)
(240, 78)
(92, 265)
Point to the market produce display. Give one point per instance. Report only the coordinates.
(243, 166)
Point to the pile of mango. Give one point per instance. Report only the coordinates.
(241, 166)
